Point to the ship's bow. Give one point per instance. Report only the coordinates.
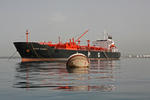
(23, 49)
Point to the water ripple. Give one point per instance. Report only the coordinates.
(54, 75)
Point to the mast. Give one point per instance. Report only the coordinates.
(59, 39)
(27, 33)
(105, 34)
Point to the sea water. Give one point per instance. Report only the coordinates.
(124, 79)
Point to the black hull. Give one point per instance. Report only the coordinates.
(36, 50)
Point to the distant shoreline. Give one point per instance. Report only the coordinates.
(6, 57)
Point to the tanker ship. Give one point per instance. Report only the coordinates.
(46, 51)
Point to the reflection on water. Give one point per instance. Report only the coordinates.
(54, 76)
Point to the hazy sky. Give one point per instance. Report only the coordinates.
(128, 21)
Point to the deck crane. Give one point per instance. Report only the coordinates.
(78, 40)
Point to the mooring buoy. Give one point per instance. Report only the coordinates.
(77, 60)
